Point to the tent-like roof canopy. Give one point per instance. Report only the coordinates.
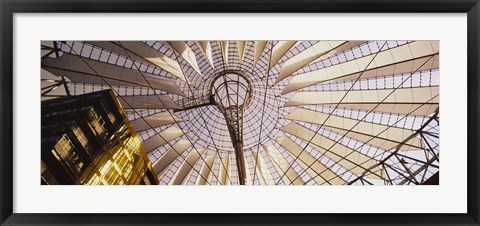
(320, 112)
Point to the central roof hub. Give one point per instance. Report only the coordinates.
(231, 89)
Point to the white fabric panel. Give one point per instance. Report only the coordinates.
(257, 172)
(167, 158)
(157, 140)
(232, 55)
(224, 48)
(401, 101)
(279, 51)
(186, 166)
(224, 171)
(344, 47)
(253, 170)
(187, 53)
(140, 51)
(415, 56)
(402, 109)
(343, 155)
(410, 145)
(49, 79)
(83, 70)
(259, 47)
(283, 165)
(248, 174)
(263, 173)
(319, 51)
(306, 56)
(186, 179)
(241, 50)
(306, 159)
(416, 65)
(207, 50)
(46, 51)
(378, 135)
(156, 120)
(205, 171)
(148, 102)
(213, 177)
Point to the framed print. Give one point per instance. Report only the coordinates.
(242, 113)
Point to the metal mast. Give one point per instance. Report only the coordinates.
(232, 92)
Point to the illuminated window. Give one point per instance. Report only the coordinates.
(46, 175)
(82, 139)
(66, 150)
(94, 180)
(97, 122)
(111, 117)
(64, 146)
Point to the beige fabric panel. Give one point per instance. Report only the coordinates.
(241, 50)
(402, 109)
(225, 171)
(259, 46)
(257, 171)
(157, 140)
(148, 102)
(187, 53)
(343, 155)
(224, 49)
(116, 48)
(214, 176)
(377, 142)
(306, 56)
(409, 66)
(83, 70)
(186, 179)
(401, 95)
(249, 173)
(318, 179)
(401, 101)
(248, 177)
(263, 173)
(420, 64)
(232, 55)
(279, 50)
(416, 56)
(186, 166)
(156, 120)
(205, 171)
(51, 46)
(306, 159)
(155, 57)
(319, 51)
(206, 48)
(148, 55)
(285, 179)
(283, 166)
(382, 136)
(168, 157)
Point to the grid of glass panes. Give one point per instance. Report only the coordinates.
(66, 149)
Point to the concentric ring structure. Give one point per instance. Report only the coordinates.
(267, 112)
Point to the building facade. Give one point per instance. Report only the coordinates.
(87, 139)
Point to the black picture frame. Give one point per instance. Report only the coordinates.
(9, 7)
